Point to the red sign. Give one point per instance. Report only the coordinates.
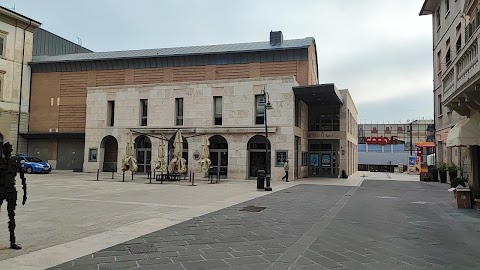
(381, 140)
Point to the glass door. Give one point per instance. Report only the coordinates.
(326, 164)
(144, 159)
(314, 168)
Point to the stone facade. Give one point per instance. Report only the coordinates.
(238, 117)
(16, 32)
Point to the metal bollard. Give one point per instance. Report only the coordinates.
(113, 173)
(123, 179)
(98, 172)
(132, 175)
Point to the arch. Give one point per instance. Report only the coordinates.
(219, 154)
(109, 151)
(143, 148)
(170, 149)
(256, 154)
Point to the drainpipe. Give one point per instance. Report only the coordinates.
(21, 85)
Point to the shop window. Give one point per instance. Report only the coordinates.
(281, 155)
(179, 111)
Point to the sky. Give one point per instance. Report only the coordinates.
(381, 50)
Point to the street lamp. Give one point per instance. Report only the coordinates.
(267, 106)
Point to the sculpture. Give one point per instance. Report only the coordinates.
(8, 170)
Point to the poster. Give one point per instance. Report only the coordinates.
(314, 160)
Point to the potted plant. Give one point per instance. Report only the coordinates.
(452, 171)
(442, 171)
(458, 181)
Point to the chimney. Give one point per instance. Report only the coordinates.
(276, 38)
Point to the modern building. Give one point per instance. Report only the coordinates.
(382, 147)
(16, 46)
(93, 100)
(455, 29)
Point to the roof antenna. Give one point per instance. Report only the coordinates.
(79, 41)
(13, 8)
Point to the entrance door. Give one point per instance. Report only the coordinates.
(326, 164)
(314, 168)
(144, 159)
(219, 160)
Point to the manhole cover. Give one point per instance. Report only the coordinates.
(139, 249)
(253, 208)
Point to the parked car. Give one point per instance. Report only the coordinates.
(34, 164)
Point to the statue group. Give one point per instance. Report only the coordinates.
(9, 166)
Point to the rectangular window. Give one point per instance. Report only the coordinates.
(281, 156)
(374, 130)
(143, 112)
(92, 154)
(447, 6)
(217, 103)
(111, 113)
(439, 61)
(179, 111)
(439, 104)
(2, 46)
(259, 109)
(437, 17)
(459, 44)
(387, 130)
(304, 159)
(447, 55)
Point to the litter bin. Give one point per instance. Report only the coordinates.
(261, 179)
(463, 199)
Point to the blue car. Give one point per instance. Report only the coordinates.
(34, 164)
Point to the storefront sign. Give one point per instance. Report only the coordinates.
(322, 135)
(381, 140)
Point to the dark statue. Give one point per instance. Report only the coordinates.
(8, 170)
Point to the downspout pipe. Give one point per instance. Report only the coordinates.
(21, 84)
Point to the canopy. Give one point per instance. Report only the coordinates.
(161, 164)
(466, 132)
(178, 163)
(129, 163)
(204, 155)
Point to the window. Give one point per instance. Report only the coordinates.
(324, 118)
(2, 44)
(298, 112)
(143, 112)
(447, 55)
(92, 154)
(439, 62)
(387, 130)
(437, 17)
(304, 159)
(111, 113)
(374, 130)
(281, 156)
(259, 109)
(400, 129)
(447, 7)
(459, 44)
(179, 111)
(439, 104)
(217, 103)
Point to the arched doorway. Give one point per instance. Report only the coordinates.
(143, 147)
(109, 148)
(256, 155)
(185, 149)
(219, 154)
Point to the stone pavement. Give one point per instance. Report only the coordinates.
(379, 225)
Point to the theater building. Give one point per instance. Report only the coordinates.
(94, 99)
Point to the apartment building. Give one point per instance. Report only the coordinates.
(16, 46)
(455, 29)
(93, 100)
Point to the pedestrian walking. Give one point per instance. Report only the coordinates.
(285, 168)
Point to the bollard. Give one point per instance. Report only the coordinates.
(98, 172)
(113, 173)
(193, 179)
(123, 179)
(132, 175)
(154, 173)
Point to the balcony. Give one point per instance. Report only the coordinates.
(462, 75)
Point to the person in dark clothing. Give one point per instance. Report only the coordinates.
(285, 168)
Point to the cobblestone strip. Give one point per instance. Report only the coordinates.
(288, 258)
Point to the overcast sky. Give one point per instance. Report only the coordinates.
(380, 50)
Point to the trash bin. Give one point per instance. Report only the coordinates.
(261, 179)
(463, 199)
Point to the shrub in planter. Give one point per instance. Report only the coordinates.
(458, 181)
(452, 171)
(442, 171)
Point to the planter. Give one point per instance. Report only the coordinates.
(443, 176)
(452, 174)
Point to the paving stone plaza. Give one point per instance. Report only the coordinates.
(381, 222)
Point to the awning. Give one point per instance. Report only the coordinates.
(317, 95)
(425, 144)
(466, 132)
(53, 135)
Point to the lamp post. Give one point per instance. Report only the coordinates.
(267, 106)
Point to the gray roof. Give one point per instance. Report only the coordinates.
(179, 51)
